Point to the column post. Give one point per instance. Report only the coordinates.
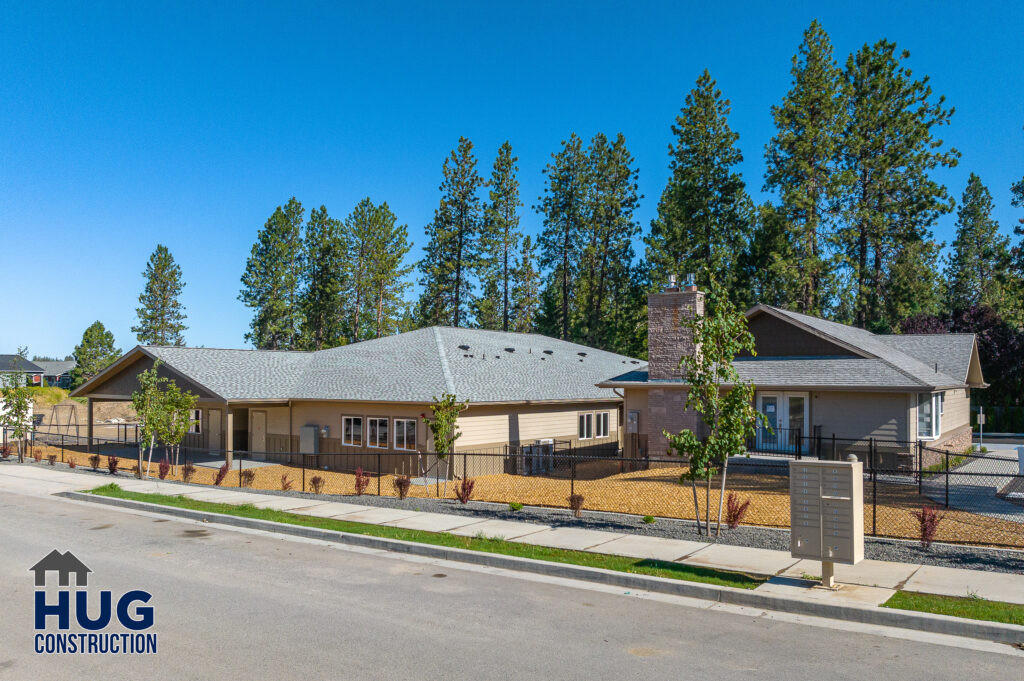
(229, 435)
(89, 417)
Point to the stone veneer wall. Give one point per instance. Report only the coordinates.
(955, 443)
(667, 340)
(666, 411)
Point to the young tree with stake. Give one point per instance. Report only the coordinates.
(723, 400)
(444, 427)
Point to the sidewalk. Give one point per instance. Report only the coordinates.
(871, 582)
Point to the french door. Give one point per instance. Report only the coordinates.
(784, 421)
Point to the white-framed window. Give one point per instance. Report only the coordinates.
(195, 421)
(352, 431)
(405, 434)
(942, 404)
(586, 427)
(601, 424)
(929, 415)
(377, 432)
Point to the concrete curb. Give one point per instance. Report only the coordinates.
(939, 624)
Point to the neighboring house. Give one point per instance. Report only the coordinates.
(372, 395)
(24, 371)
(56, 373)
(813, 378)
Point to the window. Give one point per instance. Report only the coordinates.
(377, 432)
(929, 415)
(601, 429)
(352, 431)
(405, 433)
(586, 429)
(195, 421)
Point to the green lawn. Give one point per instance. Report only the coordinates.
(657, 568)
(969, 608)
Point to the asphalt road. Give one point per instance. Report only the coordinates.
(231, 605)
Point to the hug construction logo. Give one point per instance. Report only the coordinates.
(100, 618)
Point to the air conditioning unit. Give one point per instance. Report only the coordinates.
(543, 459)
(309, 440)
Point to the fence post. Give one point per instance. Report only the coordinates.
(239, 472)
(946, 456)
(920, 470)
(303, 472)
(379, 473)
(572, 474)
(874, 489)
(62, 449)
(833, 446)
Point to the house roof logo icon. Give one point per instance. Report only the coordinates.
(64, 564)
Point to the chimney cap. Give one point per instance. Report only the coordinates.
(691, 282)
(673, 284)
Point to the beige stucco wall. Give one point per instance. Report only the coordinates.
(956, 413)
(862, 415)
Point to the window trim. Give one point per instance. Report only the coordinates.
(405, 446)
(598, 417)
(936, 401)
(344, 431)
(387, 437)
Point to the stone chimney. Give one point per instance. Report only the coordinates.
(667, 340)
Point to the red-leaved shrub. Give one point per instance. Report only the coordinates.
(246, 477)
(165, 468)
(362, 481)
(316, 484)
(222, 473)
(402, 483)
(464, 490)
(286, 483)
(734, 510)
(112, 462)
(94, 461)
(187, 471)
(52, 458)
(71, 462)
(5, 451)
(928, 518)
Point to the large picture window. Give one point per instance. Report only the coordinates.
(377, 432)
(405, 434)
(352, 431)
(929, 415)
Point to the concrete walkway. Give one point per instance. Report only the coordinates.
(869, 582)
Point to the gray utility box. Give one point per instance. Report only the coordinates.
(826, 501)
(309, 440)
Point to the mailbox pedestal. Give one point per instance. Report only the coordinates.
(826, 501)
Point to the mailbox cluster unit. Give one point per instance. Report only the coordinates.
(827, 511)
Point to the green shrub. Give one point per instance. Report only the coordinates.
(649, 519)
(515, 506)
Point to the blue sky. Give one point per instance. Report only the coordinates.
(124, 126)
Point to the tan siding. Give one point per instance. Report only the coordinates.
(862, 415)
(636, 400)
(956, 411)
(487, 425)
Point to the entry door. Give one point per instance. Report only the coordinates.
(786, 413)
(213, 432)
(258, 431)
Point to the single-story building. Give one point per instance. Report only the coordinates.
(814, 379)
(56, 373)
(24, 371)
(371, 396)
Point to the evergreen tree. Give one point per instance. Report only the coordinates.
(704, 215)
(453, 249)
(565, 206)
(359, 235)
(325, 277)
(272, 280)
(801, 160)
(94, 354)
(525, 291)
(1017, 287)
(770, 266)
(499, 240)
(386, 275)
(889, 200)
(161, 315)
(977, 267)
(609, 231)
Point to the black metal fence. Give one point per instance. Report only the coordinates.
(979, 494)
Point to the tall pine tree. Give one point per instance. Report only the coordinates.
(801, 167)
(452, 252)
(325, 277)
(976, 271)
(161, 315)
(94, 354)
(704, 215)
(386, 274)
(272, 280)
(525, 291)
(499, 241)
(889, 199)
(564, 205)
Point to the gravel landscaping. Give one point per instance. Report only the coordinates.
(946, 555)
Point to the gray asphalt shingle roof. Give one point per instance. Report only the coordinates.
(889, 361)
(55, 368)
(475, 365)
(19, 364)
